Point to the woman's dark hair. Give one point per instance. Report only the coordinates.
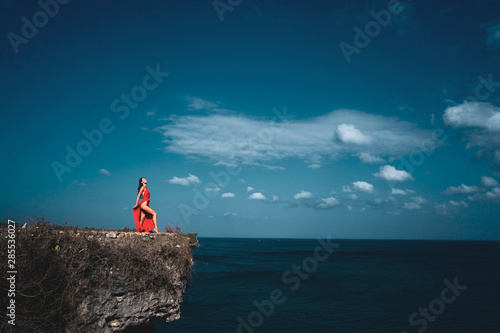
(140, 184)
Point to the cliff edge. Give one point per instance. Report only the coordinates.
(94, 281)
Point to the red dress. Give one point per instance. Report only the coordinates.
(148, 224)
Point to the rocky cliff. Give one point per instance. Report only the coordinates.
(75, 281)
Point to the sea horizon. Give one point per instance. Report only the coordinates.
(349, 239)
(362, 285)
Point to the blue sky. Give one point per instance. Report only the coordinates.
(348, 119)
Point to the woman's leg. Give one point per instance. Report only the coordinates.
(143, 217)
(149, 210)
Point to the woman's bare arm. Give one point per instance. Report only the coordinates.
(139, 195)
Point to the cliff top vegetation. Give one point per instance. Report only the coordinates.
(58, 266)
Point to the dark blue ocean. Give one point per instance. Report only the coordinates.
(273, 285)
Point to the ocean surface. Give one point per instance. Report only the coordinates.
(283, 285)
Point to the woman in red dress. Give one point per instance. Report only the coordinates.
(144, 216)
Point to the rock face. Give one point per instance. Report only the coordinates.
(89, 281)
(121, 303)
(193, 238)
(117, 307)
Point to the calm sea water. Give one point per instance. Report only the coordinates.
(272, 285)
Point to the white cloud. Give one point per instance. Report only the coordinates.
(396, 191)
(483, 123)
(189, 180)
(493, 195)
(179, 181)
(462, 189)
(451, 207)
(473, 114)
(257, 196)
(441, 208)
(488, 181)
(213, 189)
(227, 195)
(192, 179)
(307, 199)
(389, 201)
(330, 202)
(234, 139)
(303, 195)
(104, 172)
(419, 200)
(389, 173)
(460, 203)
(77, 183)
(352, 196)
(150, 113)
(144, 128)
(348, 133)
(488, 192)
(346, 189)
(230, 214)
(197, 104)
(362, 187)
(274, 167)
(369, 158)
(314, 166)
(415, 203)
(275, 198)
(250, 189)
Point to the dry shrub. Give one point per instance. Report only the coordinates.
(175, 229)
